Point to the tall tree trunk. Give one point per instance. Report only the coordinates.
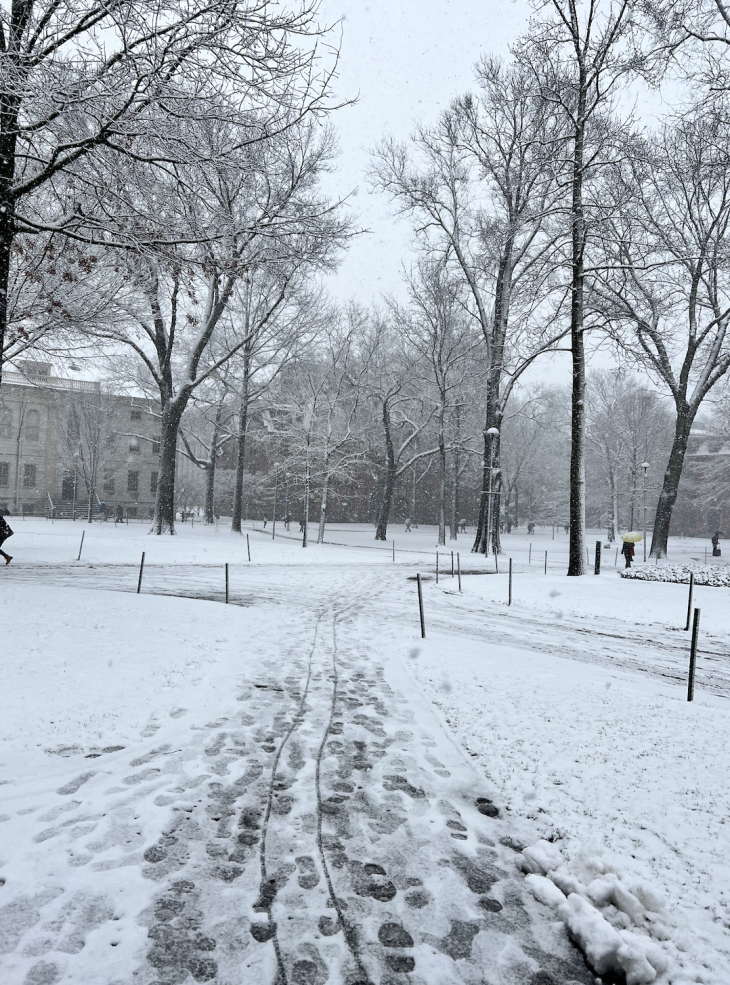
(307, 489)
(241, 447)
(576, 552)
(507, 508)
(323, 507)
(381, 530)
(612, 514)
(210, 468)
(672, 476)
(497, 491)
(164, 520)
(9, 106)
(454, 533)
(442, 473)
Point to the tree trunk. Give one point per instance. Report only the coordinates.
(507, 508)
(8, 129)
(210, 468)
(576, 550)
(307, 486)
(672, 476)
(442, 475)
(454, 533)
(612, 517)
(323, 507)
(164, 520)
(381, 530)
(241, 449)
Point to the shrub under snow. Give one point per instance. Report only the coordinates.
(717, 576)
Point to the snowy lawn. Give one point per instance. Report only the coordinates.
(570, 705)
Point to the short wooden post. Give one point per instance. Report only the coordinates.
(689, 600)
(420, 607)
(248, 547)
(529, 556)
(393, 552)
(141, 569)
(545, 562)
(226, 583)
(452, 564)
(458, 569)
(597, 565)
(509, 600)
(693, 656)
(437, 567)
(81, 545)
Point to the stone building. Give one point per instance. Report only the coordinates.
(58, 437)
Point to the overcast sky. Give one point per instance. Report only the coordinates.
(404, 60)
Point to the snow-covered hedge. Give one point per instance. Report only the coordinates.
(717, 576)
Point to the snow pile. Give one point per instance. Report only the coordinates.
(620, 928)
(716, 576)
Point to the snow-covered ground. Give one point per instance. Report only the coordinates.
(163, 761)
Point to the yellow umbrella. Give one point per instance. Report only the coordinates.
(632, 537)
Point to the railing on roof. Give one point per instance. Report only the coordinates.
(53, 382)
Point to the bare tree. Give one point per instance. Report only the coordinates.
(84, 85)
(480, 193)
(666, 291)
(443, 336)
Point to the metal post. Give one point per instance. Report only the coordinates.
(73, 508)
(437, 567)
(420, 607)
(644, 516)
(393, 552)
(458, 568)
(248, 547)
(545, 562)
(689, 601)
(693, 656)
(226, 583)
(452, 564)
(597, 566)
(489, 500)
(81, 545)
(141, 569)
(529, 556)
(509, 601)
(615, 560)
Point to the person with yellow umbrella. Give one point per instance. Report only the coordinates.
(629, 539)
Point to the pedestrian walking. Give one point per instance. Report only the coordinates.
(119, 516)
(287, 521)
(301, 526)
(266, 520)
(628, 552)
(462, 526)
(531, 528)
(5, 532)
(716, 552)
(408, 525)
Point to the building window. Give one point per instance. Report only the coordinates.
(32, 426)
(132, 482)
(5, 473)
(67, 486)
(6, 423)
(108, 481)
(134, 446)
(153, 483)
(136, 415)
(156, 445)
(29, 474)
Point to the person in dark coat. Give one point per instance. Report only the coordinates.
(119, 518)
(5, 532)
(716, 552)
(628, 552)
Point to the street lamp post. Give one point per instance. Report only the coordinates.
(492, 433)
(276, 479)
(645, 466)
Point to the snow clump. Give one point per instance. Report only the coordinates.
(620, 928)
(716, 576)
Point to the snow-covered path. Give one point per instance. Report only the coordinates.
(321, 828)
